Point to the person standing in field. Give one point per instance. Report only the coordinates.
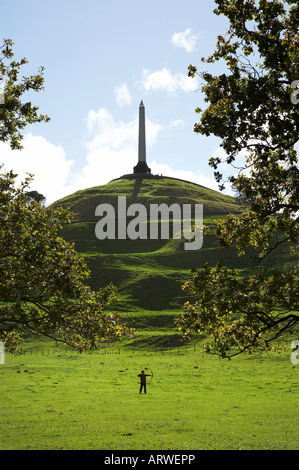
(143, 381)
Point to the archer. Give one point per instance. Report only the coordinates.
(143, 380)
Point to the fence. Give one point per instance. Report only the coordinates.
(63, 350)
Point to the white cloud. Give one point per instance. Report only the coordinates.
(122, 94)
(46, 161)
(185, 39)
(176, 123)
(165, 80)
(198, 178)
(105, 131)
(111, 151)
(112, 148)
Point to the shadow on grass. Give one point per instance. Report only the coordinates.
(157, 342)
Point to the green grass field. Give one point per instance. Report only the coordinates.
(64, 400)
(59, 399)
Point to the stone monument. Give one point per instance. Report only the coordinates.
(141, 167)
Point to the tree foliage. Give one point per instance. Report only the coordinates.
(254, 108)
(14, 114)
(240, 315)
(43, 281)
(43, 286)
(35, 196)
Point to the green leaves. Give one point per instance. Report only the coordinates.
(43, 280)
(250, 106)
(252, 101)
(238, 315)
(43, 285)
(251, 110)
(14, 114)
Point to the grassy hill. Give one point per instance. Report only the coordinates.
(149, 273)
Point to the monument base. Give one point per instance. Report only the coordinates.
(142, 168)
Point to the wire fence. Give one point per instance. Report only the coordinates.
(64, 350)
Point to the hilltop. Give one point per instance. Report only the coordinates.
(147, 190)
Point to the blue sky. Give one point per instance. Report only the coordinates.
(101, 58)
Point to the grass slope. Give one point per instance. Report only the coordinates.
(147, 191)
(148, 273)
(195, 401)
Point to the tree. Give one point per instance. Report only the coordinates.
(253, 108)
(43, 281)
(35, 196)
(14, 114)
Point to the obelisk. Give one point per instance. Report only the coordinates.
(141, 166)
(141, 139)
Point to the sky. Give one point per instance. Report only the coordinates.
(101, 58)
